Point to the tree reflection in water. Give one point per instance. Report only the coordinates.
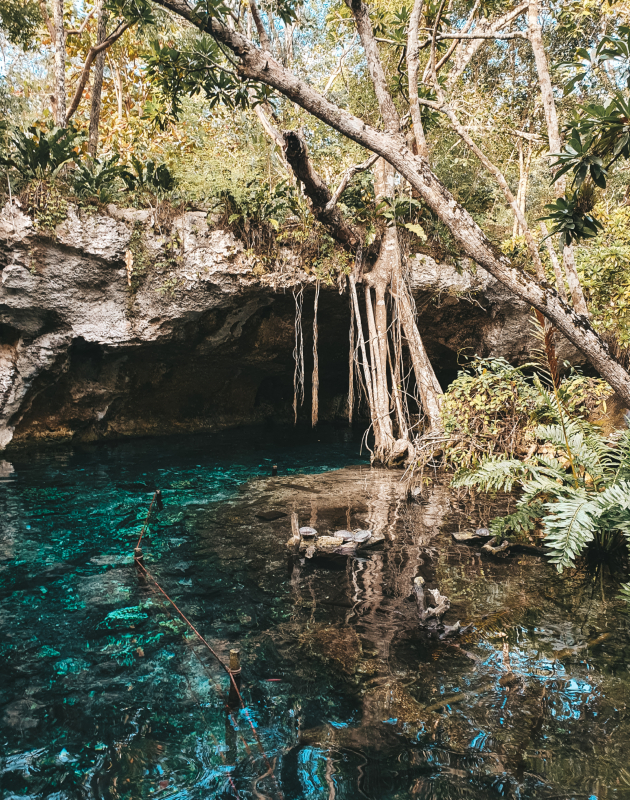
(106, 696)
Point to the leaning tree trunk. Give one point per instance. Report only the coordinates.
(256, 65)
(97, 83)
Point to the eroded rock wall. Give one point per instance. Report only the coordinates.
(111, 327)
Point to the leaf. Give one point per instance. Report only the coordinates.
(417, 229)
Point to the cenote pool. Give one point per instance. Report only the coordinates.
(105, 693)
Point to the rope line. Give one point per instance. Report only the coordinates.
(181, 614)
(218, 690)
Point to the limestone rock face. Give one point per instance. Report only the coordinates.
(113, 325)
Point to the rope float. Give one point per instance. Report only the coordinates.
(233, 670)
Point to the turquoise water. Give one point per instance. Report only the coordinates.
(105, 694)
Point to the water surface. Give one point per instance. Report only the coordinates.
(105, 693)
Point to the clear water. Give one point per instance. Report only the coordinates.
(105, 694)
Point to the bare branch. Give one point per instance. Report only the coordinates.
(491, 168)
(345, 180)
(557, 269)
(466, 54)
(509, 35)
(375, 66)
(446, 57)
(339, 67)
(84, 25)
(531, 137)
(85, 72)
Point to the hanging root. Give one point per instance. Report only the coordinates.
(298, 353)
(351, 360)
(315, 407)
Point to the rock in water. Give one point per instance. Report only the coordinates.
(472, 536)
(269, 516)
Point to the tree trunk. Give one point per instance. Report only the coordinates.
(60, 63)
(412, 69)
(97, 83)
(555, 144)
(557, 270)
(259, 66)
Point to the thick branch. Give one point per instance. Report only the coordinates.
(317, 191)
(85, 72)
(265, 43)
(256, 65)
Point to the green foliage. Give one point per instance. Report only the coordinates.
(97, 178)
(258, 211)
(519, 524)
(148, 176)
(358, 197)
(40, 153)
(599, 134)
(578, 156)
(20, 21)
(133, 11)
(581, 491)
(199, 69)
(604, 270)
(485, 410)
(570, 221)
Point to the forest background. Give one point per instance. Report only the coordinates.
(493, 120)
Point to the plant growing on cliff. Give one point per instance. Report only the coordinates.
(257, 213)
(577, 486)
(39, 154)
(99, 179)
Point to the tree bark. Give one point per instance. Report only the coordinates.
(256, 65)
(296, 154)
(60, 63)
(97, 83)
(413, 52)
(557, 269)
(555, 144)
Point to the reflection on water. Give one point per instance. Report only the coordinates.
(105, 694)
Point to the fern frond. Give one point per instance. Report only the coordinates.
(492, 475)
(570, 525)
(613, 508)
(619, 456)
(520, 521)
